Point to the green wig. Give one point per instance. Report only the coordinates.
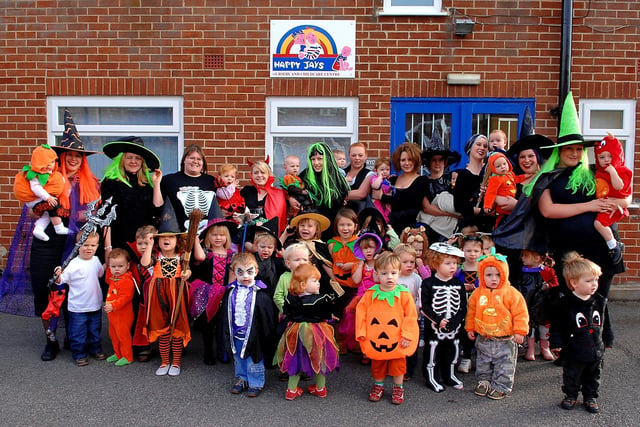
(581, 178)
(332, 186)
(115, 172)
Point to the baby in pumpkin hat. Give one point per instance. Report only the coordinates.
(38, 185)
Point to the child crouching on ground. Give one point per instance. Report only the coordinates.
(497, 319)
(249, 325)
(579, 330)
(387, 328)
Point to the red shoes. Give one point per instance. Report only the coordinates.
(376, 393)
(320, 392)
(397, 395)
(292, 394)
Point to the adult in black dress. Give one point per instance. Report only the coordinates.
(468, 182)
(326, 185)
(191, 187)
(358, 178)
(410, 187)
(81, 187)
(133, 181)
(438, 212)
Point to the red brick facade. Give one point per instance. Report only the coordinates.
(157, 47)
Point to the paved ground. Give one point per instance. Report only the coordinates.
(59, 393)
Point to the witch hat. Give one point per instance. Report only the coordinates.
(70, 139)
(435, 147)
(135, 145)
(269, 227)
(527, 124)
(570, 133)
(168, 221)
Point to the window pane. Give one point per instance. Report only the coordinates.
(419, 128)
(166, 147)
(284, 146)
(291, 116)
(105, 116)
(411, 2)
(606, 119)
(485, 123)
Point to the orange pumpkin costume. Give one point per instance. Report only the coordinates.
(52, 183)
(119, 295)
(383, 318)
(500, 185)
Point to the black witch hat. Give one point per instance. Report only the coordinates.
(70, 139)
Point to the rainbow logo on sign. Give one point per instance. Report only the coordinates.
(312, 49)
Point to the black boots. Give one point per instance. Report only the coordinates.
(51, 350)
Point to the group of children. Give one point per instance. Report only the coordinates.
(364, 290)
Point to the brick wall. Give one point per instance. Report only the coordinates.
(157, 47)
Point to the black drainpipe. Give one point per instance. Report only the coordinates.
(565, 55)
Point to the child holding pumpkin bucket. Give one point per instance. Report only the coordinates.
(307, 346)
(387, 327)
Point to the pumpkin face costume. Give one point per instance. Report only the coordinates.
(383, 318)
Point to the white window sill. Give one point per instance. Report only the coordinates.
(381, 12)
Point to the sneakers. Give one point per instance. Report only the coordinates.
(112, 358)
(99, 356)
(239, 386)
(464, 366)
(174, 370)
(591, 406)
(254, 391)
(320, 392)
(376, 393)
(568, 403)
(495, 394)
(397, 395)
(83, 361)
(162, 370)
(615, 254)
(293, 394)
(482, 388)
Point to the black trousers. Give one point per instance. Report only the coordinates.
(583, 376)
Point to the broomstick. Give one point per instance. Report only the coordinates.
(485, 182)
(194, 219)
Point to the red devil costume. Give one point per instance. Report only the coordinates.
(119, 296)
(604, 188)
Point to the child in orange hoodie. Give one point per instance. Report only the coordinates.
(498, 320)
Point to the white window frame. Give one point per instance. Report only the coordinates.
(435, 10)
(350, 130)
(54, 103)
(627, 132)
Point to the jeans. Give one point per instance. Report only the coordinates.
(84, 333)
(247, 369)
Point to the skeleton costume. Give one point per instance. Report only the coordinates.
(442, 300)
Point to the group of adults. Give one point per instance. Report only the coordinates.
(559, 195)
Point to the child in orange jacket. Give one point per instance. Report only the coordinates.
(498, 320)
(118, 306)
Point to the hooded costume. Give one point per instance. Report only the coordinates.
(499, 312)
(120, 295)
(500, 185)
(52, 183)
(604, 188)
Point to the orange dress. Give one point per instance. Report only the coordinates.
(162, 302)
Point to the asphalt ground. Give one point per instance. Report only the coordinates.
(59, 393)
